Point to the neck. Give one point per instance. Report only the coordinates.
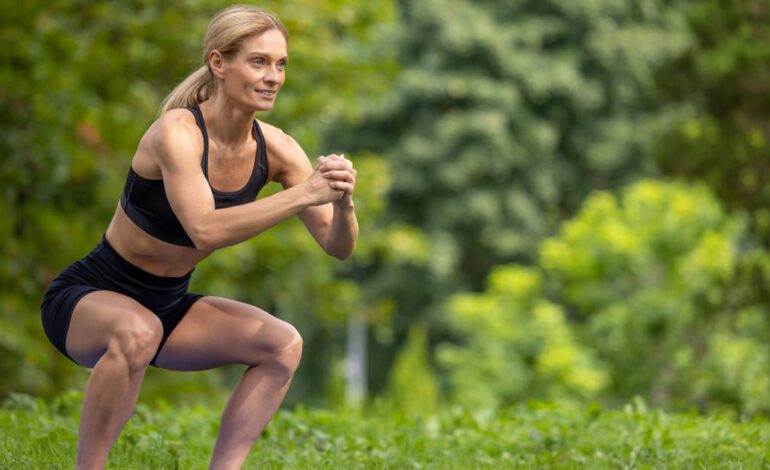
(226, 123)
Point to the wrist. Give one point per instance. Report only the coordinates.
(306, 198)
(345, 202)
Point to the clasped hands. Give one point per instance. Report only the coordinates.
(341, 177)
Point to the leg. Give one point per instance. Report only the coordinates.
(216, 332)
(118, 337)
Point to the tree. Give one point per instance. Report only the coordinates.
(506, 114)
(516, 346)
(503, 117)
(721, 83)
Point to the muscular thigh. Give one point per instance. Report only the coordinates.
(217, 331)
(97, 318)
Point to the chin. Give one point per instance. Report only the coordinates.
(253, 107)
(265, 107)
(262, 109)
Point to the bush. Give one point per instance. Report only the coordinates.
(634, 296)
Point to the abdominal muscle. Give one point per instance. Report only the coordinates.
(147, 252)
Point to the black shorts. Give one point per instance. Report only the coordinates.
(104, 269)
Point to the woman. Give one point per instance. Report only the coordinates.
(191, 189)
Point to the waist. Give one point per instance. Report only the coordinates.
(106, 249)
(149, 253)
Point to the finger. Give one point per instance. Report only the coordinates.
(339, 175)
(342, 186)
(338, 158)
(335, 165)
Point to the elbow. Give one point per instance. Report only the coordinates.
(203, 244)
(341, 253)
(342, 256)
(203, 239)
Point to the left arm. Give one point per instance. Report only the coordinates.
(333, 226)
(342, 233)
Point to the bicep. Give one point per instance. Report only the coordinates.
(185, 185)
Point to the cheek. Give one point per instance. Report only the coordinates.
(234, 84)
(242, 74)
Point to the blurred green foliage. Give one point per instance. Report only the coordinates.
(631, 297)
(506, 114)
(722, 85)
(413, 386)
(645, 275)
(516, 345)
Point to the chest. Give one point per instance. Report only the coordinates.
(229, 170)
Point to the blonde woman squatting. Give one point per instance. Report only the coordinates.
(191, 189)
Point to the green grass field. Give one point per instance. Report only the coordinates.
(42, 435)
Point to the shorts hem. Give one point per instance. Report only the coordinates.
(60, 341)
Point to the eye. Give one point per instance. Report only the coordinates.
(282, 64)
(258, 61)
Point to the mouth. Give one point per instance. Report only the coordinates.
(267, 93)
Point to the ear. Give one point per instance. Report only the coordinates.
(217, 64)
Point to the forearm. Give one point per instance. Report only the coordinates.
(229, 226)
(343, 232)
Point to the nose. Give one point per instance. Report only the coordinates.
(273, 75)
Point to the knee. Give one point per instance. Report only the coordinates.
(284, 355)
(136, 342)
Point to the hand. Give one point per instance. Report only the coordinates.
(340, 171)
(320, 189)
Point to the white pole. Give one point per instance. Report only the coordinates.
(355, 361)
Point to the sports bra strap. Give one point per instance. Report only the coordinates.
(196, 110)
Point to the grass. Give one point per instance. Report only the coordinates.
(42, 435)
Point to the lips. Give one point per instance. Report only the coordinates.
(266, 93)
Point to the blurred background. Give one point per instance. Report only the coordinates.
(558, 199)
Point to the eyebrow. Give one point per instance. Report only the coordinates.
(264, 55)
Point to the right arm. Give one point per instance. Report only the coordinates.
(191, 198)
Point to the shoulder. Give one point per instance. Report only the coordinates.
(279, 144)
(173, 134)
(286, 155)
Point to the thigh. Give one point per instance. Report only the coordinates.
(96, 319)
(217, 331)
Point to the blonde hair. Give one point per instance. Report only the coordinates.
(226, 32)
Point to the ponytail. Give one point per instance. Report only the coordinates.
(195, 89)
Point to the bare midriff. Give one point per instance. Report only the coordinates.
(147, 252)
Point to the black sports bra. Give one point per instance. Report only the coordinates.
(144, 200)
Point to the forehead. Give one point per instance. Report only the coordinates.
(270, 42)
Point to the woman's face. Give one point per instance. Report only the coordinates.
(254, 75)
